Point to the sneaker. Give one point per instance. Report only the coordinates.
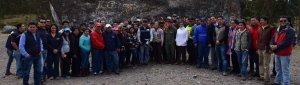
(51, 78)
(95, 73)
(272, 75)
(67, 77)
(100, 72)
(275, 84)
(260, 79)
(255, 75)
(117, 72)
(266, 82)
(243, 78)
(19, 77)
(239, 75)
(109, 72)
(250, 71)
(198, 66)
(9, 73)
(224, 73)
(213, 68)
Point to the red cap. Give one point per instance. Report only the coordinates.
(170, 21)
(115, 29)
(98, 24)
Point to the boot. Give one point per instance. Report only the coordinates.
(168, 62)
(87, 72)
(83, 73)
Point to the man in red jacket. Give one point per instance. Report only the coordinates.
(97, 47)
(253, 56)
(282, 46)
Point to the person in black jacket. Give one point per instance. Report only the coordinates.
(210, 31)
(54, 46)
(76, 61)
(43, 34)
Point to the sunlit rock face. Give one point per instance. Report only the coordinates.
(109, 10)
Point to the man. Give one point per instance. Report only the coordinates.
(111, 49)
(200, 41)
(48, 24)
(157, 43)
(265, 34)
(145, 36)
(220, 36)
(9, 49)
(91, 26)
(31, 46)
(97, 47)
(83, 27)
(64, 25)
(43, 34)
(74, 24)
(102, 22)
(170, 32)
(253, 56)
(282, 46)
(15, 39)
(211, 43)
(122, 39)
(190, 45)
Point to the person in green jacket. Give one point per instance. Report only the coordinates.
(85, 47)
(170, 32)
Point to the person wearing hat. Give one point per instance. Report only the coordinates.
(111, 49)
(74, 24)
(192, 59)
(200, 41)
(31, 46)
(64, 24)
(122, 38)
(67, 52)
(144, 37)
(91, 26)
(170, 33)
(97, 47)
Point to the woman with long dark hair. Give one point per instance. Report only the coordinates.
(54, 46)
(68, 52)
(85, 49)
(76, 61)
(132, 44)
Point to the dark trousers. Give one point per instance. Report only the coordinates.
(121, 59)
(192, 52)
(181, 52)
(52, 64)
(254, 60)
(234, 62)
(66, 62)
(76, 63)
(273, 71)
(228, 63)
(157, 52)
(164, 52)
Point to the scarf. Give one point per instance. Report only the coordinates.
(231, 35)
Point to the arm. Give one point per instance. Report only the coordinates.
(95, 42)
(225, 35)
(138, 35)
(195, 38)
(186, 35)
(50, 48)
(22, 44)
(162, 37)
(13, 42)
(60, 42)
(249, 41)
(117, 41)
(290, 35)
(81, 42)
(151, 35)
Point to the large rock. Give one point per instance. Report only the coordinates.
(8, 29)
(86, 10)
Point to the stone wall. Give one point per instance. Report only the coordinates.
(86, 10)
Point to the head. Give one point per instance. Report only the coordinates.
(156, 25)
(170, 23)
(213, 19)
(82, 26)
(65, 24)
(102, 22)
(191, 21)
(242, 25)
(91, 24)
(161, 24)
(209, 21)
(232, 18)
(53, 28)
(48, 22)
(203, 21)
(135, 26)
(67, 31)
(21, 27)
(264, 20)
(174, 17)
(32, 26)
(74, 23)
(254, 20)
(42, 22)
(181, 24)
(98, 26)
(131, 30)
(108, 28)
(221, 20)
(145, 23)
(198, 21)
(86, 32)
(75, 31)
(283, 20)
(234, 23)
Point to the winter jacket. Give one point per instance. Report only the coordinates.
(85, 43)
(265, 35)
(97, 40)
(200, 33)
(242, 40)
(254, 35)
(284, 39)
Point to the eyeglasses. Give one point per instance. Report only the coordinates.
(42, 22)
(283, 21)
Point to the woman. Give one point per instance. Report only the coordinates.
(76, 61)
(157, 42)
(181, 43)
(230, 47)
(242, 45)
(85, 47)
(132, 44)
(67, 51)
(54, 46)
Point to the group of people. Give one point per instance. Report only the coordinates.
(163, 41)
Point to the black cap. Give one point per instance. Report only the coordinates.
(91, 22)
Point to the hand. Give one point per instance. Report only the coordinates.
(74, 56)
(63, 55)
(118, 50)
(141, 42)
(55, 51)
(257, 52)
(103, 47)
(209, 45)
(195, 45)
(136, 46)
(162, 45)
(122, 49)
(41, 53)
(18, 50)
(270, 51)
(217, 42)
(28, 56)
(273, 47)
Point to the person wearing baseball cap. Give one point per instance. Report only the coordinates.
(97, 42)
(91, 26)
(170, 31)
(144, 36)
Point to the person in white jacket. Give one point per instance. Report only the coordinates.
(181, 43)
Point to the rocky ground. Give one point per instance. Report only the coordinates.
(153, 74)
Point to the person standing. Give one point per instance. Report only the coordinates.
(145, 36)
(282, 45)
(230, 47)
(64, 24)
(97, 48)
(76, 61)
(181, 43)
(122, 38)
(9, 49)
(242, 43)
(132, 45)
(54, 46)
(265, 34)
(211, 43)
(157, 43)
(31, 46)
(190, 45)
(253, 56)
(67, 52)
(220, 37)
(111, 49)
(15, 39)
(200, 41)
(170, 32)
(85, 47)
(43, 34)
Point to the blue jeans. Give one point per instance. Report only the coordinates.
(84, 59)
(10, 59)
(19, 63)
(144, 58)
(53, 59)
(97, 62)
(221, 55)
(134, 56)
(253, 56)
(203, 51)
(112, 60)
(37, 66)
(282, 67)
(243, 61)
(44, 69)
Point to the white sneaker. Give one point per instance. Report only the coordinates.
(95, 73)
(101, 72)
